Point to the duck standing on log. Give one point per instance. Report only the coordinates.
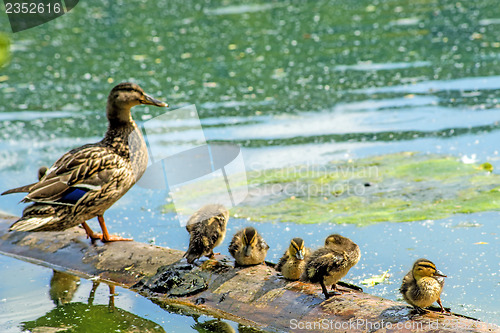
(248, 247)
(207, 229)
(329, 264)
(292, 264)
(86, 181)
(423, 285)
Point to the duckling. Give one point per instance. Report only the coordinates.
(423, 285)
(292, 263)
(207, 229)
(42, 171)
(332, 262)
(86, 181)
(248, 247)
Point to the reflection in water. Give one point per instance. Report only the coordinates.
(221, 326)
(81, 317)
(90, 317)
(214, 325)
(389, 76)
(63, 287)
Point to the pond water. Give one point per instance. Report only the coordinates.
(291, 82)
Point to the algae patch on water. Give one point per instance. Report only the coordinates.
(396, 187)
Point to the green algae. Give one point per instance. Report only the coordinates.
(388, 188)
(4, 50)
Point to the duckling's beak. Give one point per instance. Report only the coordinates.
(439, 273)
(152, 101)
(248, 251)
(300, 255)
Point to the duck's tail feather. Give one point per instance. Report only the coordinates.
(37, 217)
(31, 223)
(25, 188)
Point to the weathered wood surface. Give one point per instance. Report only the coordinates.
(254, 296)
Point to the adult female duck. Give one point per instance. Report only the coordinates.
(86, 181)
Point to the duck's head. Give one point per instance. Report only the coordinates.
(335, 240)
(125, 96)
(424, 267)
(249, 240)
(42, 171)
(296, 248)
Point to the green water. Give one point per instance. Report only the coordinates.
(292, 82)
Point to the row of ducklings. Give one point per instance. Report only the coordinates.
(207, 229)
(421, 287)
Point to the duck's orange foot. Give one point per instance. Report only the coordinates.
(105, 237)
(110, 238)
(212, 255)
(114, 238)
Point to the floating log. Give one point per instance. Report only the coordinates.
(253, 296)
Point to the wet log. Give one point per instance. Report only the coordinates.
(254, 296)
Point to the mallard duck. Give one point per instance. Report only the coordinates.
(292, 263)
(329, 264)
(248, 247)
(207, 229)
(86, 181)
(423, 285)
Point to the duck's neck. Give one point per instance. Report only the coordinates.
(118, 116)
(120, 124)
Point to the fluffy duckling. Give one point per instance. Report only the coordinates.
(207, 229)
(86, 181)
(248, 247)
(330, 263)
(292, 263)
(423, 285)
(42, 171)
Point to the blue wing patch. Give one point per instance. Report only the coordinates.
(73, 195)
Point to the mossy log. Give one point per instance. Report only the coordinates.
(253, 296)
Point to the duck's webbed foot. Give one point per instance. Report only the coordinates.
(212, 255)
(420, 310)
(106, 237)
(336, 288)
(443, 310)
(90, 233)
(336, 291)
(329, 294)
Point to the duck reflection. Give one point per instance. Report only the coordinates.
(221, 326)
(214, 325)
(71, 316)
(63, 287)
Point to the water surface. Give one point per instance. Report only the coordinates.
(292, 82)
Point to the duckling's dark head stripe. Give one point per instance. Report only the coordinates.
(249, 234)
(297, 243)
(424, 263)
